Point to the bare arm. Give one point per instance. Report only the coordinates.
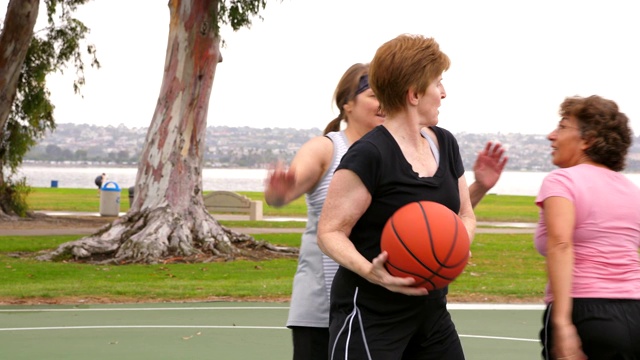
(559, 216)
(347, 199)
(466, 213)
(283, 185)
(487, 170)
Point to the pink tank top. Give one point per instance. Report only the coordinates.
(606, 236)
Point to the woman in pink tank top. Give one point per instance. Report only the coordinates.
(589, 232)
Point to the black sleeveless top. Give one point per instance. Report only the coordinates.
(379, 163)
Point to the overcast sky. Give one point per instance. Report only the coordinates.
(513, 62)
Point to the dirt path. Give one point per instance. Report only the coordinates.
(87, 223)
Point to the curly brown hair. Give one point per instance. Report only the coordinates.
(603, 127)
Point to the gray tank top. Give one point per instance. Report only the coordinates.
(315, 198)
(315, 271)
(340, 147)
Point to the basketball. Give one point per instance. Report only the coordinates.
(427, 241)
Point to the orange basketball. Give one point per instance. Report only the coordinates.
(427, 241)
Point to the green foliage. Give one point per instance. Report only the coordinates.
(52, 49)
(13, 197)
(237, 13)
(63, 40)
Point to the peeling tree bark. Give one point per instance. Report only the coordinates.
(168, 218)
(15, 38)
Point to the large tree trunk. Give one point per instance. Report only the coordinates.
(168, 218)
(15, 39)
(14, 42)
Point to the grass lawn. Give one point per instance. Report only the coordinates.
(504, 267)
(503, 208)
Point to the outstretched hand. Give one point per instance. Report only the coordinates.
(489, 165)
(279, 181)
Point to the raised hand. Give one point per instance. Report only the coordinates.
(279, 181)
(489, 165)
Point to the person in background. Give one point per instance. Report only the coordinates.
(100, 179)
(589, 232)
(408, 158)
(310, 173)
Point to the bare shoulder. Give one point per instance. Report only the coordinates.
(317, 149)
(319, 143)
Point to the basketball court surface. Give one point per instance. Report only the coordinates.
(224, 330)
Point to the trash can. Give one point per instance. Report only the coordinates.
(132, 190)
(110, 199)
(54, 183)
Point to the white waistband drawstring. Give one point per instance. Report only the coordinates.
(349, 320)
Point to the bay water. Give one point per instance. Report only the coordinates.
(511, 182)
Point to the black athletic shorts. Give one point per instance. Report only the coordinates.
(366, 334)
(608, 328)
(310, 343)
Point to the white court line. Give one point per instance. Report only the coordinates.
(498, 338)
(465, 306)
(449, 306)
(150, 309)
(145, 327)
(49, 328)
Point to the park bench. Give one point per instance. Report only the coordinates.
(230, 202)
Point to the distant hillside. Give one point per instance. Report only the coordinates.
(245, 147)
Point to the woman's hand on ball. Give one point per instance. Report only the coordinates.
(380, 276)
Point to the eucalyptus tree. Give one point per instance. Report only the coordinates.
(26, 58)
(168, 219)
